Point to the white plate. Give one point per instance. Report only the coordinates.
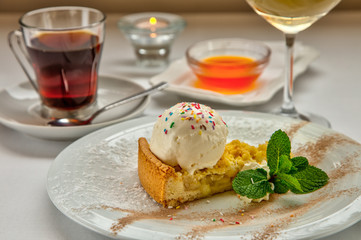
(19, 109)
(95, 183)
(182, 79)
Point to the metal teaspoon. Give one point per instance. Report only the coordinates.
(64, 122)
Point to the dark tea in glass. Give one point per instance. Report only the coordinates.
(66, 66)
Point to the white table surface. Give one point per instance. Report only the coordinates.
(331, 87)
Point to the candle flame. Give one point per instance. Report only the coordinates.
(152, 20)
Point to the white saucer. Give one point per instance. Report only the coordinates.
(19, 109)
(181, 77)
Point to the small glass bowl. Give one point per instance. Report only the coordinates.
(229, 65)
(151, 45)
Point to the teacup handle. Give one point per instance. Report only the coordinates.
(16, 35)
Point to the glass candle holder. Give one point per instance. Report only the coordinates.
(151, 34)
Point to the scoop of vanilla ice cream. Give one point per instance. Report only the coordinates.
(190, 135)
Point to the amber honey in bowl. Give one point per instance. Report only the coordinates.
(228, 74)
(228, 66)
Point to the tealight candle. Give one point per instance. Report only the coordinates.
(151, 35)
(152, 23)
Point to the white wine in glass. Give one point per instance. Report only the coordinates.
(291, 17)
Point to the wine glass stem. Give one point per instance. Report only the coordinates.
(288, 107)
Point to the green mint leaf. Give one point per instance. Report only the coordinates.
(311, 178)
(278, 145)
(293, 170)
(291, 181)
(252, 183)
(280, 186)
(285, 164)
(300, 163)
(286, 174)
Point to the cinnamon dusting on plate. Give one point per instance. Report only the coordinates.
(345, 167)
(133, 216)
(272, 231)
(294, 129)
(315, 152)
(210, 221)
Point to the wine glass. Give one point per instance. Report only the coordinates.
(291, 17)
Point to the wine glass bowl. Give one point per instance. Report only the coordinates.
(229, 65)
(292, 17)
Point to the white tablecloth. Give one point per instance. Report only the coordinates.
(331, 87)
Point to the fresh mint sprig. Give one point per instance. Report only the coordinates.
(286, 173)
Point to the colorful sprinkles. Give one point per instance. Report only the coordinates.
(199, 117)
(226, 221)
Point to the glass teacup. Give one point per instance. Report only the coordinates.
(63, 45)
